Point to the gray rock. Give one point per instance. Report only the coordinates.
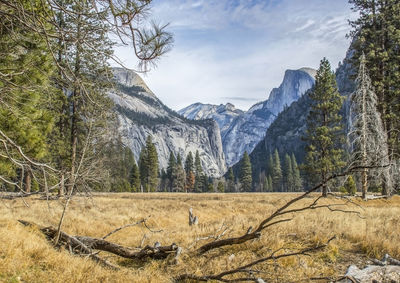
(373, 273)
(140, 114)
(242, 131)
(222, 114)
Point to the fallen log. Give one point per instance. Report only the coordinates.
(71, 243)
(156, 252)
(84, 245)
(12, 196)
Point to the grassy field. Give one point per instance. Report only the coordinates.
(26, 256)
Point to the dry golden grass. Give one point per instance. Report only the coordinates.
(26, 256)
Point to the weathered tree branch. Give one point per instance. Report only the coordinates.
(244, 268)
(272, 219)
(71, 243)
(84, 245)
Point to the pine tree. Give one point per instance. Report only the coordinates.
(199, 185)
(189, 166)
(266, 187)
(190, 181)
(230, 181)
(164, 182)
(376, 35)
(179, 179)
(135, 178)
(179, 160)
(270, 184)
(143, 168)
(288, 174)
(276, 172)
(120, 160)
(245, 173)
(367, 137)
(350, 186)
(221, 187)
(148, 166)
(324, 133)
(152, 177)
(270, 165)
(65, 50)
(297, 181)
(189, 170)
(25, 91)
(171, 169)
(179, 176)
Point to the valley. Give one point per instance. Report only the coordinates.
(26, 256)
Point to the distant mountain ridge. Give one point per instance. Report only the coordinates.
(222, 114)
(242, 131)
(140, 114)
(286, 132)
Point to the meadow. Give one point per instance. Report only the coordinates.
(27, 256)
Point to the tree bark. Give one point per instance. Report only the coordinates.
(28, 181)
(61, 187)
(364, 184)
(84, 245)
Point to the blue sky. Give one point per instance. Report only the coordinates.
(237, 50)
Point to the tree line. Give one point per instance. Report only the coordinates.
(146, 176)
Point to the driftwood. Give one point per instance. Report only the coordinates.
(83, 245)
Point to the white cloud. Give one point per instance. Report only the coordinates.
(242, 48)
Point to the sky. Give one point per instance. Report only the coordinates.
(238, 50)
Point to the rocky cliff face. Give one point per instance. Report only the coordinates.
(140, 114)
(248, 129)
(222, 114)
(285, 133)
(241, 131)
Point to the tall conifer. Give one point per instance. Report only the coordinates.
(324, 133)
(245, 173)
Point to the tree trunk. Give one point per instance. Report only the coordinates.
(74, 105)
(324, 186)
(324, 190)
(61, 187)
(364, 184)
(28, 181)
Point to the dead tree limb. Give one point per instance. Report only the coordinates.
(156, 252)
(123, 227)
(387, 260)
(18, 195)
(272, 219)
(71, 243)
(244, 268)
(84, 245)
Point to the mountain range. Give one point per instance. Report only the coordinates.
(242, 131)
(141, 114)
(286, 132)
